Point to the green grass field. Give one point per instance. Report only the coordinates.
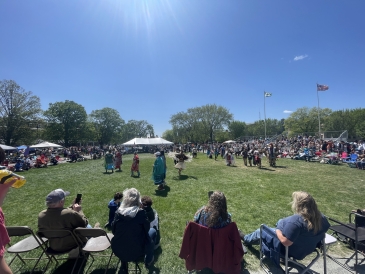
(254, 196)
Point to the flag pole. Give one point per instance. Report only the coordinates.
(319, 119)
(265, 113)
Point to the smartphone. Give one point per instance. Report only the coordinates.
(78, 198)
(210, 194)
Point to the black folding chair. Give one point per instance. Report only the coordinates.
(352, 233)
(56, 234)
(28, 243)
(271, 247)
(98, 241)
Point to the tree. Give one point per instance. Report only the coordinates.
(200, 123)
(17, 109)
(108, 125)
(185, 125)
(66, 121)
(236, 129)
(213, 118)
(349, 119)
(169, 135)
(136, 128)
(305, 120)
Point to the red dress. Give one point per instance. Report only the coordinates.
(4, 237)
(118, 160)
(135, 164)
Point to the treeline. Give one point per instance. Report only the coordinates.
(200, 125)
(22, 121)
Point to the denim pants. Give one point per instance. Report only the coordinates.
(150, 245)
(254, 237)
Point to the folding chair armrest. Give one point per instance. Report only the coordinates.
(340, 223)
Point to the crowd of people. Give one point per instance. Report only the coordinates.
(135, 223)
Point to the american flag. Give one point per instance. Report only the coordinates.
(322, 87)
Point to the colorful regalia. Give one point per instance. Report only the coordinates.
(109, 162)
(158, 170)
(135, 165)
(118, 160)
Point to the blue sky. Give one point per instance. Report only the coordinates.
(150, 59)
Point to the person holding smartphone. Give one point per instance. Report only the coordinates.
(58, 217)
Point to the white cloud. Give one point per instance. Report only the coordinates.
(300, 57)
(288, 111)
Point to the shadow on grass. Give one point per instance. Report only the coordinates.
(267, 169)
(108, 173)
(162, 193)
(67, 266)
(280, 167)
(184, 177)
(243, 270)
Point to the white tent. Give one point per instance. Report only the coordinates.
(45, 144)
(5, 147)
(229, 142)
(148, 141)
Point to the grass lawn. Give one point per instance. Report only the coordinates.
(254, 196)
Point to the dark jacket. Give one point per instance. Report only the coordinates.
(130, 229)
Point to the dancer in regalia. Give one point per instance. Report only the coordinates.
(135, 165)
(118, 160)
(109, 161)
(158, 171)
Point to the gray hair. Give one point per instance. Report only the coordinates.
(50, 204)
(131, 197)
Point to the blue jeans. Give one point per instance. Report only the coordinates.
(150, 245)
(254, 237)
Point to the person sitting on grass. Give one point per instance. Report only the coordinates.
(301, 231)
(113, 206)
(153, 218)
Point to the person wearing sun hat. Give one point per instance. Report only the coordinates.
(58, 217)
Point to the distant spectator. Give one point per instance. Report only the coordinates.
(113, 206)
(153, 218)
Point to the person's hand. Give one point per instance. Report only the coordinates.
(76, 207)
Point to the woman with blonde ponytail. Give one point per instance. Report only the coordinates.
(301, 231)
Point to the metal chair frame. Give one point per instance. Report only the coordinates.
(52, 234)
(355, 231)
(25, 245)
(286, 257)
(98, 241)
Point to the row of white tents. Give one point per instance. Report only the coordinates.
(135, 141)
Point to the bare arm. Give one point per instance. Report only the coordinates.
(285, 241)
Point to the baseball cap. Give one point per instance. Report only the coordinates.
(56, 195)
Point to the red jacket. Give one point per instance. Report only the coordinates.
(218, 249)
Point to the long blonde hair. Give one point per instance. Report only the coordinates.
(305, 205)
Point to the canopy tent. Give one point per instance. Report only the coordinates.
(45, 144)
(5, 147)
(22, 147)
(148, 141)
(229, 141)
